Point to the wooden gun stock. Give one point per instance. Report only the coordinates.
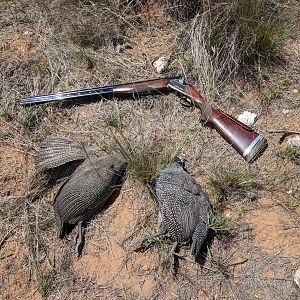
(241, 137)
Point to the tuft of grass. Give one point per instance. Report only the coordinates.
(86, 33)
(182, 10)
(9, 209)
(220, 224)
(292, 201)
(47, 224)
(270, 98)
(34, 246)
(113, 119)
(234, 36)
(144, 164)
(84, 59)
(229, 183)
(156, 242)
(289, 154)
(28, 117)
(220, 264)
(292, 153)
(160, 244)
(145, 159)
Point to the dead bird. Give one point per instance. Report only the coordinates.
(91, 183)
(183, 209)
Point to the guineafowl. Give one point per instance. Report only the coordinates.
(183, 208)
(94, 184)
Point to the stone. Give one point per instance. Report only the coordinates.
(161, 64)
(247, 118)
(294, 141)
(297, 277)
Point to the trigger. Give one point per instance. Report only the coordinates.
(185, 101)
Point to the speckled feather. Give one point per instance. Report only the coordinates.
(55, 152)
(183, 206)
(94, 184)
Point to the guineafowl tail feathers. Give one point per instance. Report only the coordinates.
(55, 152)
(198, 239)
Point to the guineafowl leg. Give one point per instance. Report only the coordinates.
(162, 231)
(79, 239)
(141, 244)
(174, 259)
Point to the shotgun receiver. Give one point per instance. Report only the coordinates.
(249, 144)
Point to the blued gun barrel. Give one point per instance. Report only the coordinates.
(134, 89)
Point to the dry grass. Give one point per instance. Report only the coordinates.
(51, 46)
(235, 37)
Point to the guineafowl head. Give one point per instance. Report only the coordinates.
(119, 164)
(178, 163)
(180, 160)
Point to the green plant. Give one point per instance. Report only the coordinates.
(145, 163)
(84, 59)
(292, 153)
(225, 184)
(113, 119)
(234, 36)
(219, 224)
(156, 241)
(220, 264)
(9, 209)
(146, 159)
(185, 63)
(269, 99)
(47, 224)
(33, 245)
(28, 116)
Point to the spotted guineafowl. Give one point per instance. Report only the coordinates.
(95, 183)
(183, 208)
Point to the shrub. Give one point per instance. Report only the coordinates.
(231, 36)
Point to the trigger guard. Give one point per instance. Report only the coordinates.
(184, 101)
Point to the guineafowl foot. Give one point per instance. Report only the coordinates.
(174, 263)
(146, 242)
(79, 239)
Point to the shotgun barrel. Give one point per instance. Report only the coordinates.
(135, 89)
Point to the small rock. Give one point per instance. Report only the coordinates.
(120, 48)
(285, 111)
(294, 141)
(247, 118)
(295, 91)
(161, 64)
(290, 192)
(297, 277)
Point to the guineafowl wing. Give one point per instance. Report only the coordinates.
(55, 152)
(86, 193)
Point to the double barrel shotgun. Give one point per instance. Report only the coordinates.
(249, 144)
